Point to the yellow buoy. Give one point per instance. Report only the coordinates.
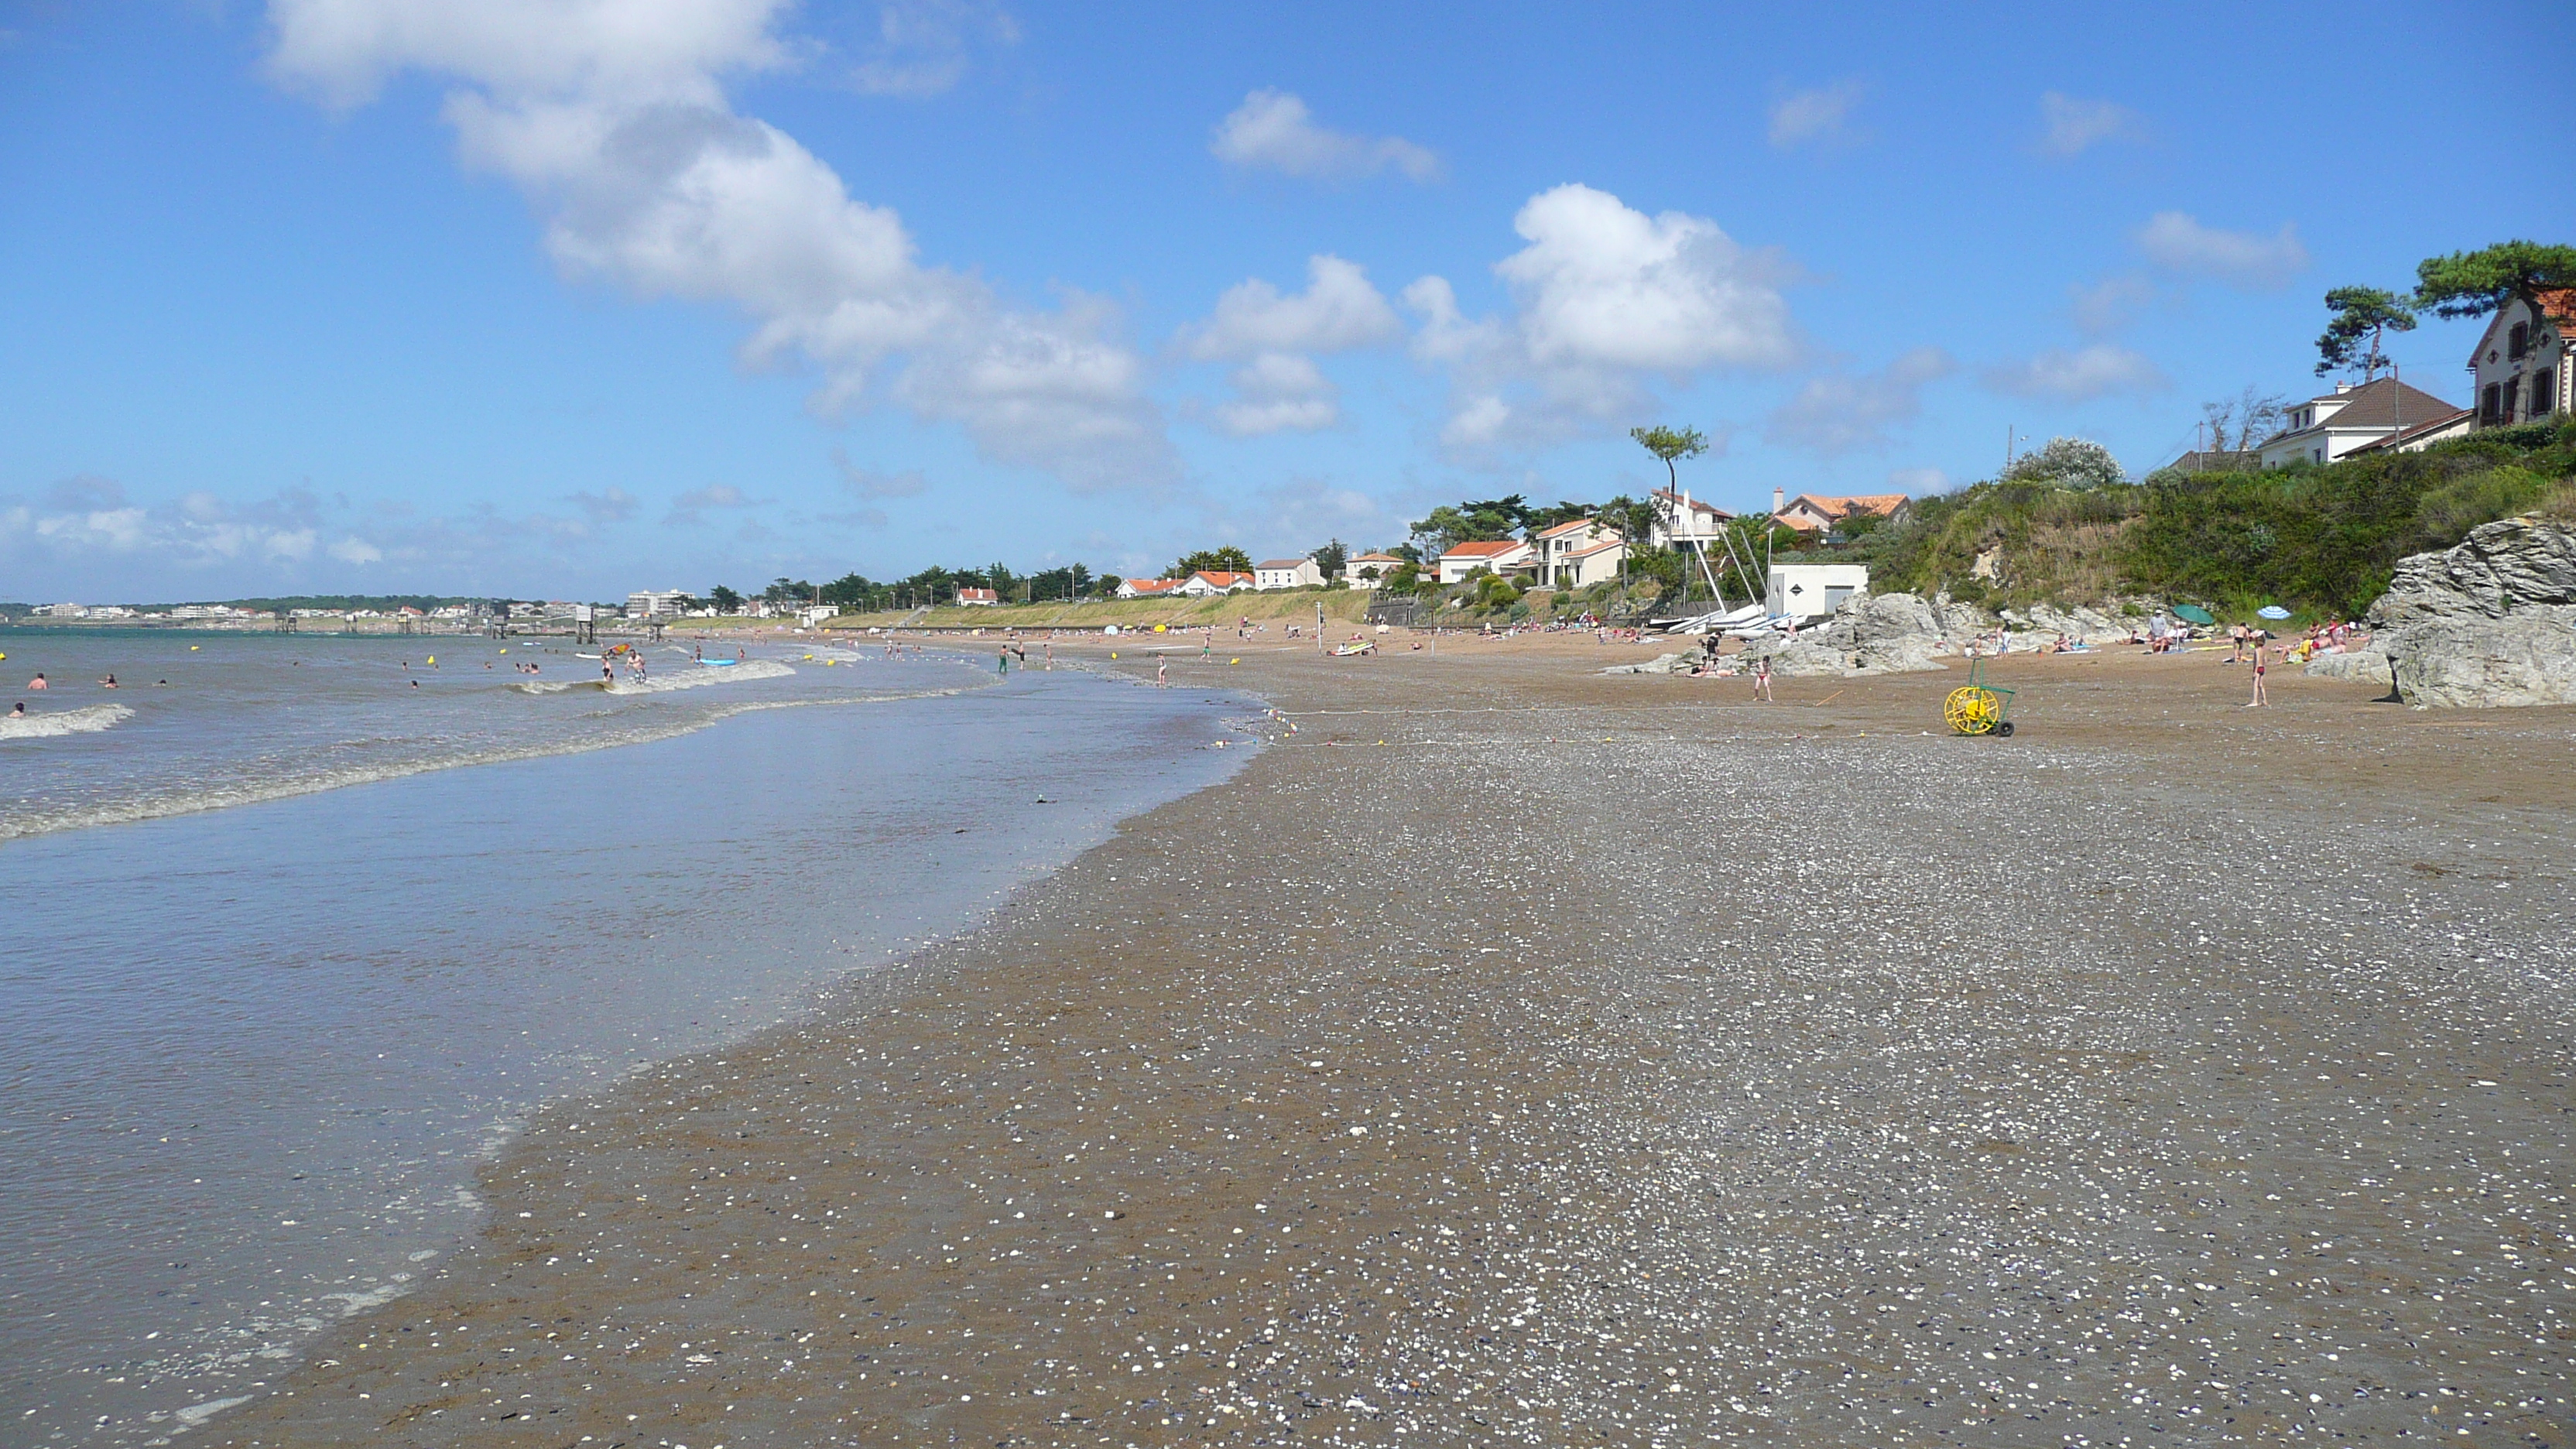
(192, 648)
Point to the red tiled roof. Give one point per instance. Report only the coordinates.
(2558, 304)
(1153, 586)
(1569, 526)
(1488, 548)
(1222, 578)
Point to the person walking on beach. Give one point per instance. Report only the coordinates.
(2260, 698)
(1003, 659)
(1049, 646)
(1162, 673)
(1762, 678)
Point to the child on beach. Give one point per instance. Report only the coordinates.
(1162, 673)
(2260, 698)
(1762, 679)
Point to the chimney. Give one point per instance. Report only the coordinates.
(2342, 388)
(1779, 499)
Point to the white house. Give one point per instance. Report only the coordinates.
(2524, 358)
(1287, 573)
(2334, 425)
(1148, 588)
(1500, 555)
(1680, 518)
(977, 598)
(1370, 569)
(1579, 552)
(1811, 591)
(1208, 583)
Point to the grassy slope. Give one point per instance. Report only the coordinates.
(2320, 540)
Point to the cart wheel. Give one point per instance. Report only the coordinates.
(2004, 729)
(1971, 710)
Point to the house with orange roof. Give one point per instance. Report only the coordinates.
(1370, 569)
(1208, 583)
(1499, 556)
(978, 598)
(1149, 588)
(2524, 357)
(1819, 513)
(1579, 552)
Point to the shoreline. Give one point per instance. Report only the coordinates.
(1213, 1026)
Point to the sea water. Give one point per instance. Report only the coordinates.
(293, 944)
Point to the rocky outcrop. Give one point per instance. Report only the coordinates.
(2366, 666)
(2489, 623)
(1869, 634)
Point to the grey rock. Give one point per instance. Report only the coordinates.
(2490, 623)
(2366, 667)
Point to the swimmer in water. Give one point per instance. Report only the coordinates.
(108, 683)
(38, 682)
(20, 711)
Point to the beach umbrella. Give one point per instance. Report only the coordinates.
(2193, 613)
(2273, 611)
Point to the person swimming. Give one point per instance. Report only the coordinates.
(20, 712)
(39, 681)
(108, 683)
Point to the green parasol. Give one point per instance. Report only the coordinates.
(2193, 613)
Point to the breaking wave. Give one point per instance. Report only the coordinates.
(85, 721)
(700, 675)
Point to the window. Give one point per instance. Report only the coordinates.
(2487, 401)
(2544, 393)
(2518, 341)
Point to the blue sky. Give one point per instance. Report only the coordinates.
(569, 297)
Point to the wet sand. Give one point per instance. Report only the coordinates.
(1516, 1055)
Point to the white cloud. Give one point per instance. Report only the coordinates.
(1602, 285)
(611, 116)
(2175, 241)
(356, 551)
(1838, 414)
(88, 517)
(1820, 116)
(1605, 298)
(2095, 371)
(868, 483)
(714, 495)
(2110, 304)
(1280, 392)
(1917, 482)
(1272, 335)
(1338, 311)
(925, 47)
(2069, 126)
(1272, 130)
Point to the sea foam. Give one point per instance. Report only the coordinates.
(88, 720)
(701, 675)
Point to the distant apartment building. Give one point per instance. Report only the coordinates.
(1578, 553)
(656, 603)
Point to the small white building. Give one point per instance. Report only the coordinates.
(2523, 360)
(977, 598)
(1812, 591)
(1579, 552)
(1287, 573)
(2329, 427)
(1148, 588)
(655, 603)
(1370, 569)
(1499, 556)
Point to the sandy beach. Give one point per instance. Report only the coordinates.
(1514, 1054)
